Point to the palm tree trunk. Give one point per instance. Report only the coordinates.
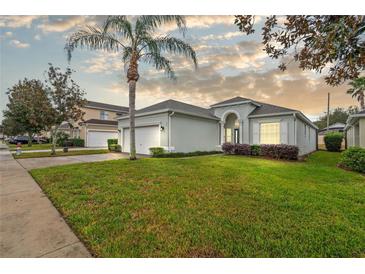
(132, 76)
(132, 105)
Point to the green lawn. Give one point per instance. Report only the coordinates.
(60, 153)
(33, 147)
(212, 206)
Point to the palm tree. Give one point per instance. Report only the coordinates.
(138, 42)
(358, 90)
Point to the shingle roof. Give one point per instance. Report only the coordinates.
(106, 106)
(101, 122)
(177, 106)
(361, 112)
(265, 108)
(335, 126)
(232, 100)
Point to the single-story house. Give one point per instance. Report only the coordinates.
(355, 130)
(336, 127)
(181, 127)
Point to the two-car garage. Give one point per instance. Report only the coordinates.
(146, 137)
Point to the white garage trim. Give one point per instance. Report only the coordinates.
(98, 130)
(141, 149)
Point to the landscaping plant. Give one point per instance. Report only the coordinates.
(354, 159)
(333, 141)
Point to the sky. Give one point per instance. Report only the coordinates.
(230, 64)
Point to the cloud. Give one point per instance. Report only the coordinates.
(66, 23)
(37, 37)
(226, 36)
(103, 62)
(18, 21)
(18, 44)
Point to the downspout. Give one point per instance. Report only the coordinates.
(169, 132)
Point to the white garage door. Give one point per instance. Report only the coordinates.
(99, 138)
(146, 137)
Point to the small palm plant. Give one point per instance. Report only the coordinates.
(138, 42)
(358, 90)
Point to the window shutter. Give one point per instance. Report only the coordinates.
(256, 133)
(284, 132)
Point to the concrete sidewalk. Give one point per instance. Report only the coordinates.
(30, 226)
(61, 149)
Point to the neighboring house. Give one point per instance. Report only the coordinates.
(355, 130)
(182, 127)
(99, 124)
(336, 127)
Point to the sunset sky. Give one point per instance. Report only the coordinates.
(230, 64)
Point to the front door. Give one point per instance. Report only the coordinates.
(236, 136)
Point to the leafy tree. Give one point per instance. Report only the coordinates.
(29, 108)
(137, 41)
(316, 42)
(338, 115)
(357, 90)
(66, 97)
(11, 127)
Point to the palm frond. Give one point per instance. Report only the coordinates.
(177, 46)
(152, 22)
(160, 63)
(92, 38)
(119, 24)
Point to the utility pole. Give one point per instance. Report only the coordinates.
(328, 112)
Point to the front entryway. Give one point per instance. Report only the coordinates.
(146, 137)
(232, 131)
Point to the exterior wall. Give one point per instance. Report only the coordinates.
(160, 118)
(243, 110)
(285, 119)
(91, 113)
(189, 133)
(306, 139)
(362, 132)
(350, 137)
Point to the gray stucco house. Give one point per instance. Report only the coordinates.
(355, 130)
(182, 127)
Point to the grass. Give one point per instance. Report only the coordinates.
(212, 206)
(60, 153)
(33, 147)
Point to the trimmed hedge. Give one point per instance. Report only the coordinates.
(77, 142)
(184, 154)
(287, 152)
(354, 159)
(115, 147)
(333, 141)
(112, 142)
(157, 150)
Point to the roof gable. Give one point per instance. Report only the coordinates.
(92, 104)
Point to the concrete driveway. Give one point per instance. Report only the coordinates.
(31, 163)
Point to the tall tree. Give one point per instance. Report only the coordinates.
(357, 90)
(316, 42)
(66, 97)
(338, 115)
(28, 109)
(11, 127)
(138, 42)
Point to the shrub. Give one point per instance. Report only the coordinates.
(228, 148)
(354, 159)
(156, 150)
(184, 154)
(287, 152)
(333, 141)
(255, 150)
(77, 142)
(115, 147)
(242, 149)
(111, 142)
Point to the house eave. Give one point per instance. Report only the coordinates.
(169, 110)
(235, 103)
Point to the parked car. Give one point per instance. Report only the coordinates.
(20, 139)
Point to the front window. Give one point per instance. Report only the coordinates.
(228, 135)
(270, 133)
(104, 115)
